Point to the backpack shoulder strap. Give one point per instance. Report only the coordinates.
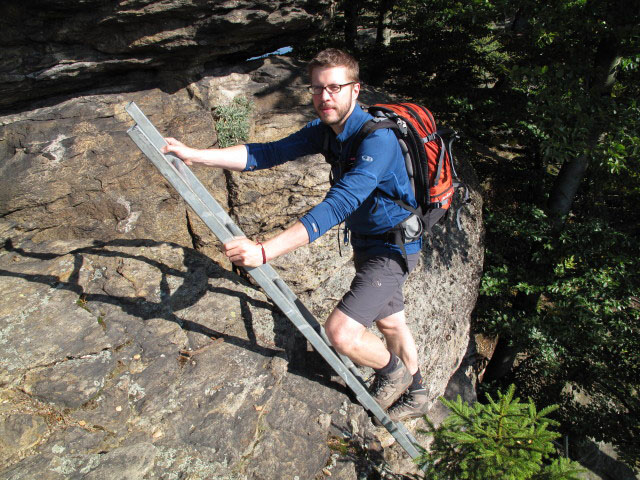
(369, 127)
(326, 151)
(329, 157)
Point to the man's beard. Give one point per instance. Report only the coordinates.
(338, 113)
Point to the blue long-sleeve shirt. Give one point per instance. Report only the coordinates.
(355, 198)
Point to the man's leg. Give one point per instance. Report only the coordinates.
(375, 294)
(399, 339)
(354, 340)
(414, 402)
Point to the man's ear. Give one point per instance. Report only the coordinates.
(356, 90)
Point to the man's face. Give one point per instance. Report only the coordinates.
(334, 109)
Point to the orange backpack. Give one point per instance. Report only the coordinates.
(428, 157)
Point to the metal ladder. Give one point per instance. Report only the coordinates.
(149, 140)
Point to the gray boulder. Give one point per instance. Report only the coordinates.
(61, 47)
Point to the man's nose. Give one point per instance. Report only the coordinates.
(325, 95)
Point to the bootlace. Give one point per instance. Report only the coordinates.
(403, 401)
(379, 382)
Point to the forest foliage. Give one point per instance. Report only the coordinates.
(546, 96)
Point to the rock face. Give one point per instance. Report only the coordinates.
(66, 46)
(125, 359)
(127, 344)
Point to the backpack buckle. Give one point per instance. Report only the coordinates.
(430, 138)
(402, 125)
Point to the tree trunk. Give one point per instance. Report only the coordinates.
(572, 172)
(383, 33)
(351, 9)
(565, 188)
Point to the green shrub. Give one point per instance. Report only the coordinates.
(232, 122)
(500, 440)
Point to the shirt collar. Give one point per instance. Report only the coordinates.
(357, 118)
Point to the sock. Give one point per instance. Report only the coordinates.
(392, 365)
(417, 381)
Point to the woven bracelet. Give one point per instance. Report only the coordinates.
(264, 255)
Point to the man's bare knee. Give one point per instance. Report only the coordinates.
(342, 331)
(340, 340)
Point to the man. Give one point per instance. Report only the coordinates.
(362, 197)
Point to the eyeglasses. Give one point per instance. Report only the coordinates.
(331, 89)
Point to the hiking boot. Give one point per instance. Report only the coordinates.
(386, 389)
(412, 404)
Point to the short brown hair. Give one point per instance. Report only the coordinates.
(332, 57)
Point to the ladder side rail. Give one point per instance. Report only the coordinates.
(171, 174)
(311, 319)
(320, 329)
(266, 277)
(361, 392)
(155, 138)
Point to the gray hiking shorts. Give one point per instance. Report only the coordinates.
(376, 290)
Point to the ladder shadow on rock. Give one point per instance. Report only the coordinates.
(188, 293)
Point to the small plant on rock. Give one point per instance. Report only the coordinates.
(232, 123)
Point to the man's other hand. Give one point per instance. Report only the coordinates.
(187, 154)
(243, 252)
